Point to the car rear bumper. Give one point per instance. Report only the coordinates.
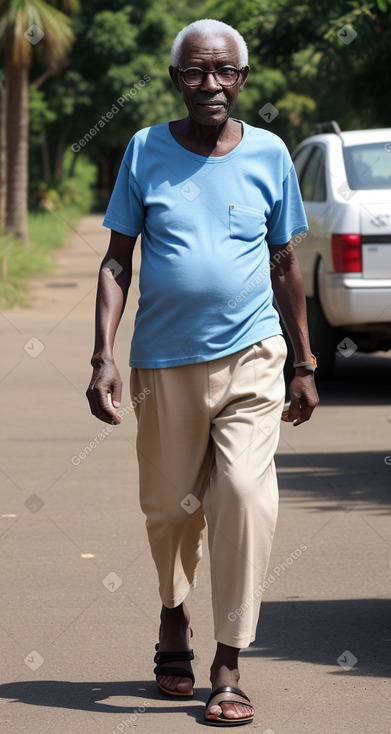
(354, 301)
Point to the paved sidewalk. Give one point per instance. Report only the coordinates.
(79, 604)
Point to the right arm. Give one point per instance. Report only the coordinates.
(115, 275)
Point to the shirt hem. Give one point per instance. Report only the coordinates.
(284, 240)
(182, 361)
(121, 228)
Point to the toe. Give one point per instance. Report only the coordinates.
(237, 711)
(175, 683)
(213, 712)
(184, 685)
(229, 711)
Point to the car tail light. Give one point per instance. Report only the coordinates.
(347, 257)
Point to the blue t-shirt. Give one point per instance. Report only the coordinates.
(205, 288)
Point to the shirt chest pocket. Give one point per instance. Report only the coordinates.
(246, 223)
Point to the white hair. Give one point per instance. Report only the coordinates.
(208, 28)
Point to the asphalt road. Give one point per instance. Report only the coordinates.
(79, 603)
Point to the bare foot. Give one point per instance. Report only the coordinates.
(225, 672)
(174, 635)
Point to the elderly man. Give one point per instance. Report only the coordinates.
(216, 202)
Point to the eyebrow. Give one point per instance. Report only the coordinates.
(223, 61)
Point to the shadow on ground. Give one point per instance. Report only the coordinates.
(315, 632)
(362, 379)
(351, 481)
(347, 480)
(319, 632)
(91, 696)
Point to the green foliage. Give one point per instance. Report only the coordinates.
(77, 190)
(17, 264)
(44, 198)
(383, 5)
(323, 77)
(298, 63)
(109, 31)
(114, 49)
(49, 228)
(40, 112)
(16, 16)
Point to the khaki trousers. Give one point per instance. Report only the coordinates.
(207, 435)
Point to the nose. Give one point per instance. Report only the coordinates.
(210, 84)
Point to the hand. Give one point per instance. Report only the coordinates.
(304, 397)
(104, 393)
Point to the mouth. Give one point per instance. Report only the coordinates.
(211, 105)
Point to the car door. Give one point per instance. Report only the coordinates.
(312, 172)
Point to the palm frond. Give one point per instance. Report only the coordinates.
(17, 17)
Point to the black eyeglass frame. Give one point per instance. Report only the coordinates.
(204, 74)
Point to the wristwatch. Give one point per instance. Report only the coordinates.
(310, 366)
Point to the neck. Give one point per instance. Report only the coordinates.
(207, 140)
(209, 134)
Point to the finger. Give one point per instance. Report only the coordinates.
(294, 412)
(101, 407)
(305, 414)
(111, 411)
(95, 406)
(117, 394)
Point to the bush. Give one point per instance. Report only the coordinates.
(55, 210)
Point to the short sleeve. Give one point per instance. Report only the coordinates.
(125, 212)
(287, 217)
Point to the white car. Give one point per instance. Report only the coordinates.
(345, 258)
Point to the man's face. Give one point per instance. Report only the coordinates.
(210, 103)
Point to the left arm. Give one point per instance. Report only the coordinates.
(288, 288)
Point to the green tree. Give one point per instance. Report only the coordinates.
(117, 82)
(25, 25)
(334, 57)
(3, 149)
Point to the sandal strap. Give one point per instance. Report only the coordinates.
(172, 657)
(228, 689)
(168, 670)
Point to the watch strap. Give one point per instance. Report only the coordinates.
(310, 365)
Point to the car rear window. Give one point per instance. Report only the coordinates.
(368, 166)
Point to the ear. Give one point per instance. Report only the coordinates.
(175, 76)
(244, 75)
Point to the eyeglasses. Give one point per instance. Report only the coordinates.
(226, 76)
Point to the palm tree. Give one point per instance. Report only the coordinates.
(24, 26)
(3, 158)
